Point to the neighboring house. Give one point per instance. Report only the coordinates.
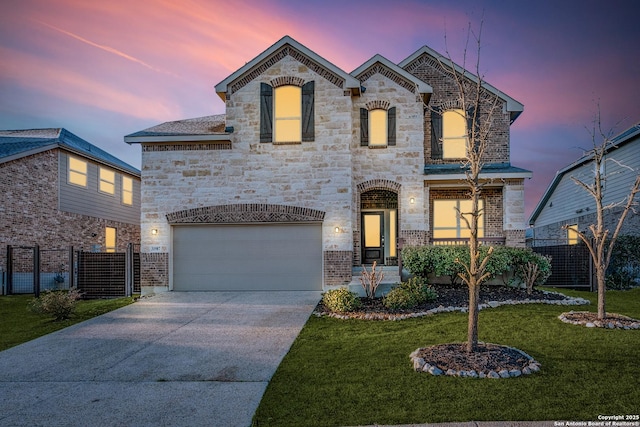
(314, 171)
(565, 203)
(59, 190)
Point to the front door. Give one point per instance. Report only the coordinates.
(373, 237)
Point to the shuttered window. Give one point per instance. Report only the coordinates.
(378, 127)
(287, 113)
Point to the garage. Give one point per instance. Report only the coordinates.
(247, 257)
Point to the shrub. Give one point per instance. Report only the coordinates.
(448, 261)
(409, 294)
(624, 268)
(59, 304)
(340, 300)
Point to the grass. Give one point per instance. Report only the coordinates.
(18, 324)
(357, 372)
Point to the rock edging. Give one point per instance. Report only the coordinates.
(614, 321)
(420, 365)
(567, 301)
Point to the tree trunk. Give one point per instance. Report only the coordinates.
(600, 279)
(472, 330)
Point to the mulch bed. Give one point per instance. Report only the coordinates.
(451, 296)
(590, 319)
(487, 357)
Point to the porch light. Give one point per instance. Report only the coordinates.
(154, 231)
(337, 229)
(412, 200)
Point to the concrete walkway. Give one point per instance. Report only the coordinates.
(175, 359)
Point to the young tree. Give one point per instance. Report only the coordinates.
(599, 240)
(479, 106)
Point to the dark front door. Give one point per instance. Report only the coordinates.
(373, 237)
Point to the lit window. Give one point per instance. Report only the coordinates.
(447, 224)
(110, 239)
(572, 234)
(287, 114)
(77, 172)
(107, 181)
(454, 134)
(378, 127)
(127, 190)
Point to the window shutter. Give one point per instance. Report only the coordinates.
(266, 113)
(436, 134)
(391, 126)
(308, 120)
(364, 127)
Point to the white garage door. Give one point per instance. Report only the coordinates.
(247, 257)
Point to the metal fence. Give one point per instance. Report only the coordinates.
(31, 270)
(571, 265)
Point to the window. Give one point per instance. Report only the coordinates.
(77, 172)
(447, 223)
(572, 234)
(393, 233)
(378, 127)
(127, 190)
(287, 113)
(454, 134)
(107, 180)
(110, 239)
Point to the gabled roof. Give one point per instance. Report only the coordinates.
(15, 144)
(198, 129)
(513, 107)
(350, 83)
(423, 88)
(623, 138)
(455, 171)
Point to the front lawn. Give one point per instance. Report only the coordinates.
(358, 372)
(18, 324)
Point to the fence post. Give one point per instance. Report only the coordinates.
(9, 269)
(128, 270)
(36, 271)
(71, 269)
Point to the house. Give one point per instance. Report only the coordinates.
(564, 203)
(59, 190)
(314, 171)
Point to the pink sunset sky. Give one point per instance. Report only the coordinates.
(104, 69)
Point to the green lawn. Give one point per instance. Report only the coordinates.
(18, 324)
(356, 372)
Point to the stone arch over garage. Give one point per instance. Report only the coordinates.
(371, 186)
(245, 213)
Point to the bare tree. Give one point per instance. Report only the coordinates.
(478, 106)
(599, 240)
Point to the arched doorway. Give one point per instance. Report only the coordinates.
(379, 224)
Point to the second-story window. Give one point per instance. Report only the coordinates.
(127, 190)
(77, 171)
(107, 181)
(287, 114)
(454, 134)
(378, 127)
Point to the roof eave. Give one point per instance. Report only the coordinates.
(422, 87)
(351, 83)
(176, 138)
(483, 176)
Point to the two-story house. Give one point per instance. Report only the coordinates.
(313, 171)
(59, 190)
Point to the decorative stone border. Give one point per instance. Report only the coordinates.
(442, 309)
(419, 365)
(622, 322)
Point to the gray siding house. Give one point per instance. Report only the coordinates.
(314, 171)
(59, 190)
(565, 203)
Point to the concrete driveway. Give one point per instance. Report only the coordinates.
(174, 359)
